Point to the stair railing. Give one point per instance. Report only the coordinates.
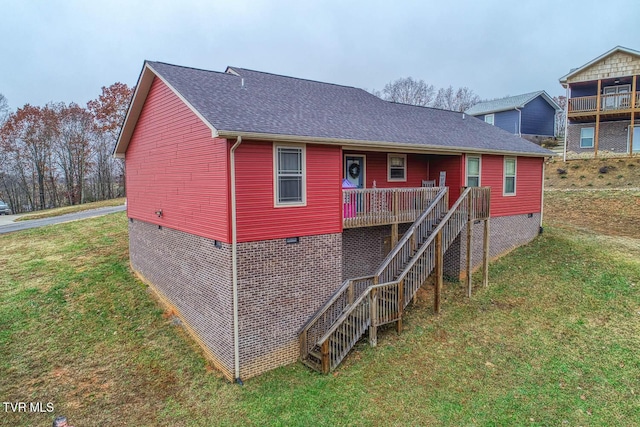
(404, 250)
(385, 302)
(351, 289)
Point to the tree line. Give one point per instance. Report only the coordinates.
(61, 154)
(407, 90)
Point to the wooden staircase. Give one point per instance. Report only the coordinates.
(363, 304)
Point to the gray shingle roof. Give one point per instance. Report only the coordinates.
(509, 103)
(255, 102)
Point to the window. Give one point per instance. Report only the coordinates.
(397, 165)
(489, 118)
(586, 138)
(473, 171)
(509, 176)
(289, 165)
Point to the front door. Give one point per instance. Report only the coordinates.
(354, 170)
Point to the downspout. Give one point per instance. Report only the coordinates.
(566, 125)
(542, 195)
(519, 122)
(234, 262)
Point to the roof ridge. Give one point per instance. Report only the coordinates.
(298, 78)
(189, 68)
(421, 106)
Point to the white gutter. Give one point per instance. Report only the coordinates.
(519, 122)
(234, 262)
(566, 124)
(373, 145)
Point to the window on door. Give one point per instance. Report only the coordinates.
(616, 97)
(473, 171)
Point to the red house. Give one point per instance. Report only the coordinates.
(238, 218)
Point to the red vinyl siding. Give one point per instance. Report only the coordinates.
(528, 185)
(257, 217)
(174, 164)
(376, 170)
(454, 179)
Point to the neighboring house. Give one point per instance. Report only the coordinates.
(603, 105)
(530, 115)
(238, 219)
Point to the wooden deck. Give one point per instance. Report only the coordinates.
(613, 104)
(383, 206)
(363, 304)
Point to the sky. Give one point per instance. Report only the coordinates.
(67, 50)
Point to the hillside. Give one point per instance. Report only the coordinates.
(593, 173)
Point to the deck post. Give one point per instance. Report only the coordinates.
(373, 310)
(437, 290)
(469, 241)
(485, 254)
(350, 292)
(400, 306)
(596, 137)
(325, 357)
(633, 113)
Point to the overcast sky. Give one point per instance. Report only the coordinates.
(54, 50)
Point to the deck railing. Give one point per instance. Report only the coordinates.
(609, 102)
(383, 303)
(382, 206)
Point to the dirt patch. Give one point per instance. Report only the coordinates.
(612, 213)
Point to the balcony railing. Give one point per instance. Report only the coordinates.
(381, 206)
(608, 103)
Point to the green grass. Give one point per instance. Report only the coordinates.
(553, 340)
(48, 213)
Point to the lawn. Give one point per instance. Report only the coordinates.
(48, 213)
(552, 341)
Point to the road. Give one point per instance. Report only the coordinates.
(7, 225)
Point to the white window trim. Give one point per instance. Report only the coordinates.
(593, 138)
(406, 168)
(504, 176)
(493, 119)
(466, 170)
(277, 204)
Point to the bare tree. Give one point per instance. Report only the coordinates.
(560, 122)
(456, 100)
(409, 91)
(4, 109)
(29, 133)
(72, 149)
(109, 111)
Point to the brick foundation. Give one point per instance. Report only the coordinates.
(506, 233)
(280, 286)
(193, 276)
(364, 249)
(613, 139)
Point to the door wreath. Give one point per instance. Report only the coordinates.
(354, 170)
